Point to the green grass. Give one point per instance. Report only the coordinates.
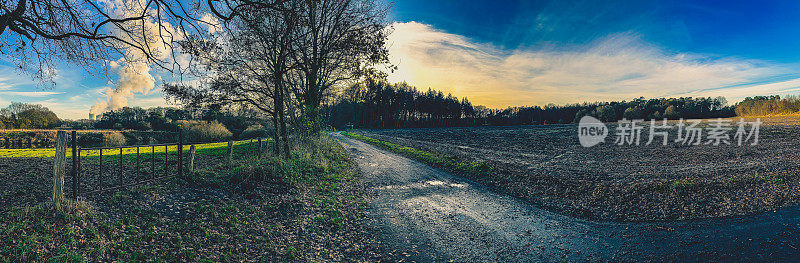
(43, 232)
(312, 210)
(442, 161)
(209, 148)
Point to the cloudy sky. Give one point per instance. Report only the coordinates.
(513, 53)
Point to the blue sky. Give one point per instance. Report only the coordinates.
(514, 53)
(768, 30)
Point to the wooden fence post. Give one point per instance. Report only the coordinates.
(191, 159)
(78, 173)
(166, 159)
(152, 162)
(138, 172)
(260, 146)
(59, 167)
(180, 153)
(230, 152)
(100, 177)
(74, 165)
(119, 167)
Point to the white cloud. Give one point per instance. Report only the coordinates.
(617, 67)
(133, 69)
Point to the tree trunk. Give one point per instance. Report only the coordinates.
(279, 108)
(276, 141)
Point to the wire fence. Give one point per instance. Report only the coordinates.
(101, 169)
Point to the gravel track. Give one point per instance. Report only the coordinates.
(432, 216)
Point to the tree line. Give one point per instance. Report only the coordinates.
(378, 104)
(768, 105)
(19, 115)
(173, 119)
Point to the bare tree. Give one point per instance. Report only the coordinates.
(251, 62)
(35, 33)
(287, 58)
(341, 40)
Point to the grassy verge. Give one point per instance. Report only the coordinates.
(442, 161)
(302, 209)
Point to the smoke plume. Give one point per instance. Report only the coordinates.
(133, 68)
(133, 78)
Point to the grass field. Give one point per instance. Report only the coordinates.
(50, 152)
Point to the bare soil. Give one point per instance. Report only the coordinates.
(547, 166)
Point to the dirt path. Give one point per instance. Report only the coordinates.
(434, 216)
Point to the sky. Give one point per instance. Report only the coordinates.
(524, 53)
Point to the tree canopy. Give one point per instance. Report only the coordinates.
(27, 116)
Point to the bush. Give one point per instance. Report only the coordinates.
(204, 131)
(90, 139)
(254, 131)
(113, 139)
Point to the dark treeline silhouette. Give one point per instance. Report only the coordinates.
(377, 104)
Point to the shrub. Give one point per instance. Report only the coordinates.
(113, 139)
(90, 139)
(254, 131)
(204, 132)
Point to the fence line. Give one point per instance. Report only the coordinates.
(81, 176)
(30, 139)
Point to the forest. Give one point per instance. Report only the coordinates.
(378, 104)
